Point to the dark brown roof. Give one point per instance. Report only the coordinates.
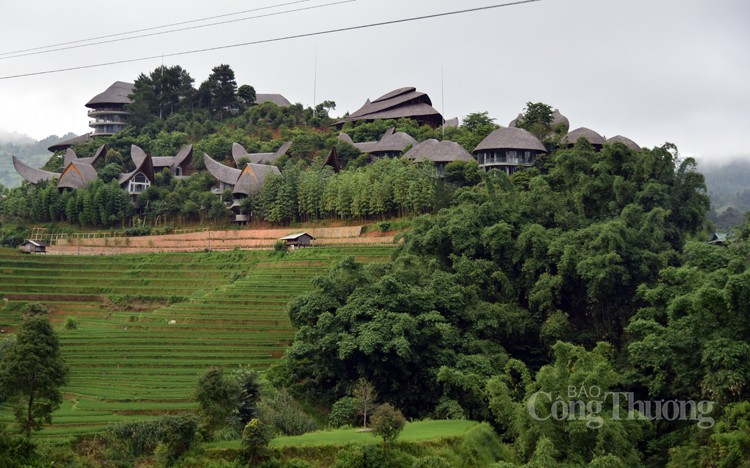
(511, 138)
(222, 173)
(117, 93)
(333, 160)
(252, 178)
(277, 99)
(146, 166)
(438, 151)
(77, 175)
(399, 103)
(101, 152)
(583, 132)
(65, 144)
(625, 141)
(32, 174)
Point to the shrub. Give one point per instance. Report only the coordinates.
(71, 323)
(432, 461)
(34, 308)
(254, 446)
(481, 446)
(280, 246)
(12, 240)
(285, 415)
(387, 422)
(343, 412)
(176, 432)
(449, 409)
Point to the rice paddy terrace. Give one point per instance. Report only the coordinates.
(149, 324)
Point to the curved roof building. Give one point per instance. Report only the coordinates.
(596, 140)
(239, 152)
(402, 103)
(77, 175)
(108, 109)
(439, 152)
(508, 149)
(625, 141)
(32, 174)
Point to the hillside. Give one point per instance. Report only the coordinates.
(32, 152)
(148, 325)
(729, 188)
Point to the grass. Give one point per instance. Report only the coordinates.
(141, 356)
(419, 431)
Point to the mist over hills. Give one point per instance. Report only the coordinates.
(728, 184)
(27, 149)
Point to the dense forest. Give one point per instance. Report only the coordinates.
(558, 288)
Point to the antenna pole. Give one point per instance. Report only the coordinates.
(442, 91)
(315, 80)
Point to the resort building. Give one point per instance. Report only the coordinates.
(107, 109)
(239, 153)
(179, 165)
(277, 99)
(596, 140)
(559, 121)
(625, 141)
(390, 145)
(508, 149)
(243, 183)
(439, 152)
(402, 103)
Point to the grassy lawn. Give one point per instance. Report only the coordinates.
(413, 432)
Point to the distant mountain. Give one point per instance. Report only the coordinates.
(729, 188)
(28, 150)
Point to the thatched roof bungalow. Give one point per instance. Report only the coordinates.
(142, 177)
(400, 103)
(625, 141)
(239, 152)
(76, 176)
(596, 140)
(439, 152)
(558, 120)
(277, 99)
(391, 144)
(508, 149)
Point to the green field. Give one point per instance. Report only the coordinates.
(135, 357)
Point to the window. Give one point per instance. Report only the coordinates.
(178, 171)
(139, 183)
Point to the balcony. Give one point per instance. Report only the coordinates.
(103, 111)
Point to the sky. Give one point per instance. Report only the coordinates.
(653, 70)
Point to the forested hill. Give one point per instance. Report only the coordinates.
(728, 186)
(31, 152)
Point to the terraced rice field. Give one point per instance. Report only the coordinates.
(135, 357)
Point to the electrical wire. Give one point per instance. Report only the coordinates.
(277, 39)
(152, 28)
(122, 39)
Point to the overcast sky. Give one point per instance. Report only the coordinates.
(652, 70)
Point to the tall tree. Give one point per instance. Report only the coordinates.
(33, 370)
(222, 88)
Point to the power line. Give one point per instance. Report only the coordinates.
(122, 39)
(152, 28)
(276, 39)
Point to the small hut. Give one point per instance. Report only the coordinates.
(298, 241)
(33, 247)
